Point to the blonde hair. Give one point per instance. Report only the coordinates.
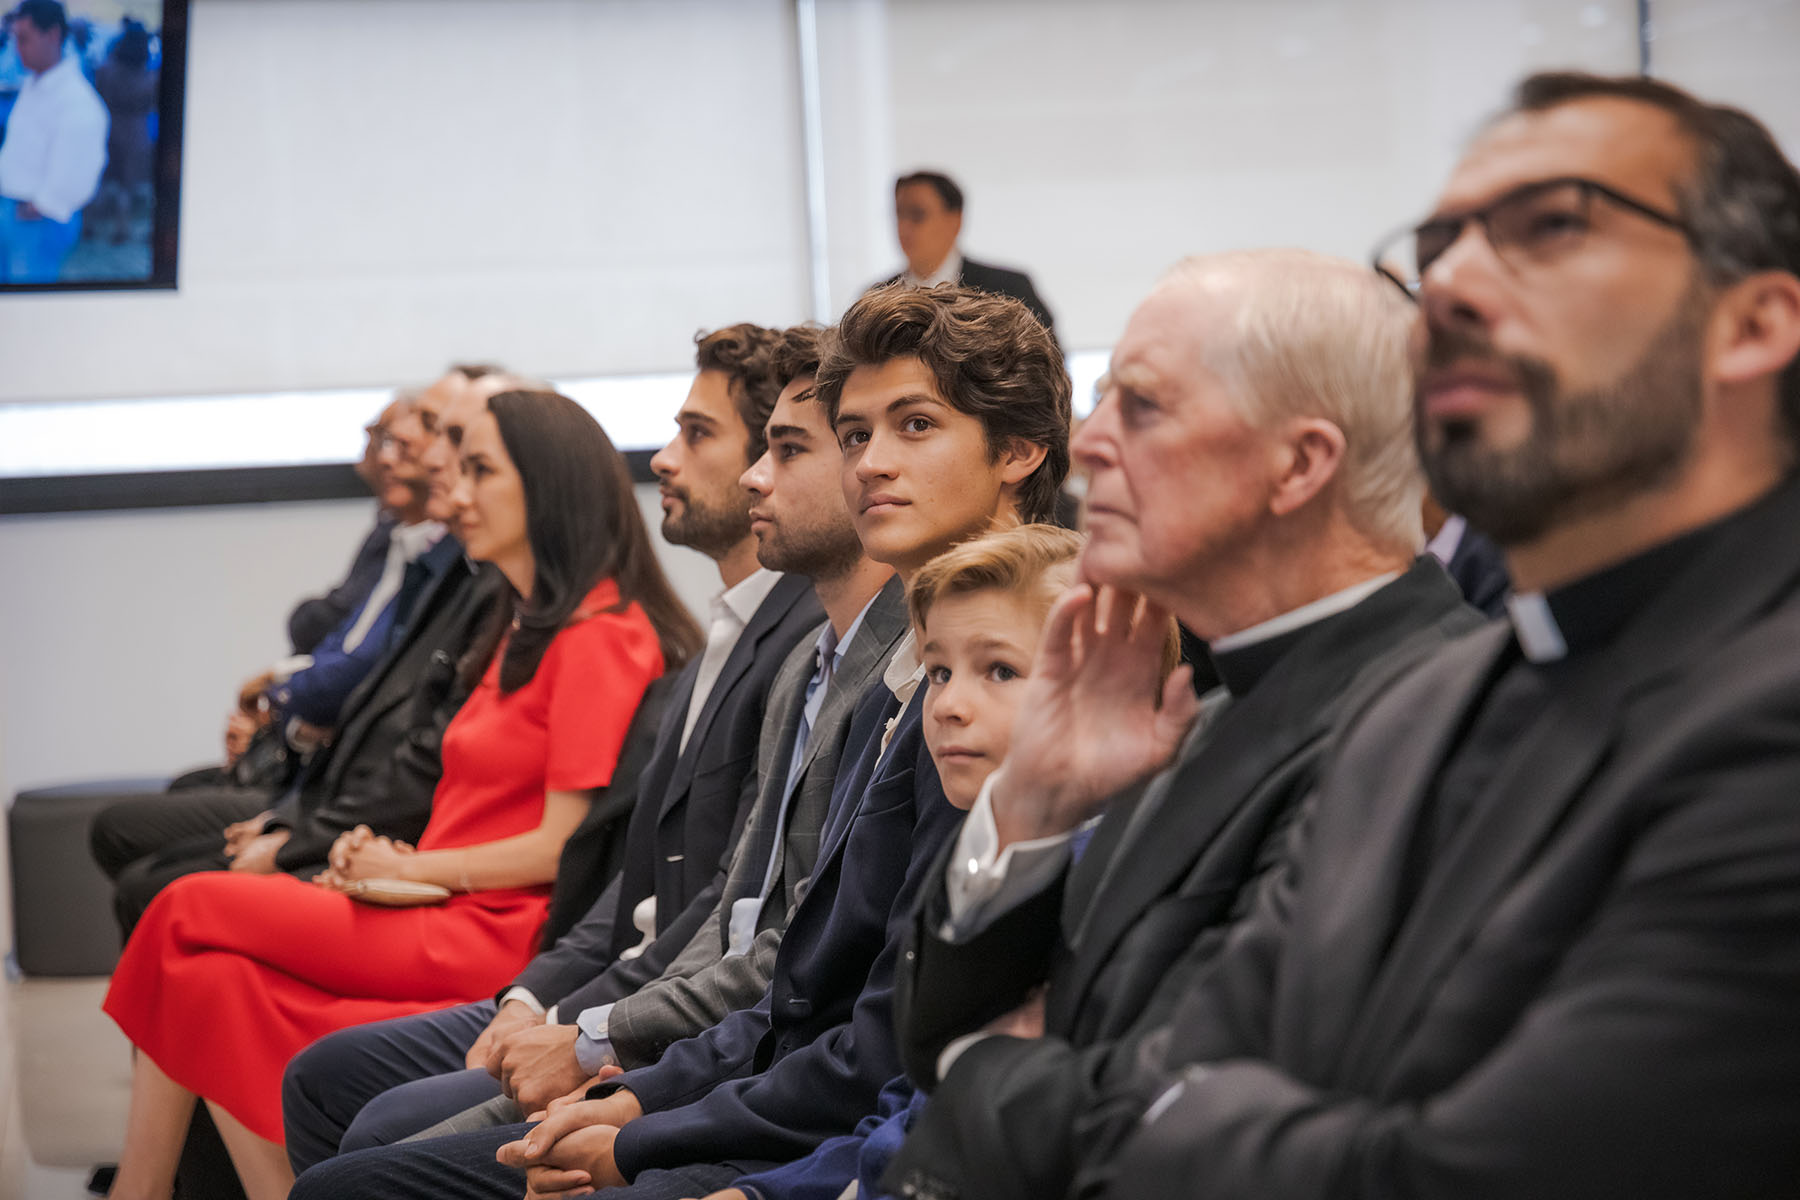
(1317, 336)
(1036, 562)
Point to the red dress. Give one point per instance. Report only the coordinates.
(228, 976)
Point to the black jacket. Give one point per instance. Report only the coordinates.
(1117, 934)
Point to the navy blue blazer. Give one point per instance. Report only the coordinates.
(768, 1084)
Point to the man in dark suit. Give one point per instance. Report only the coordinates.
(691, 798)
(1540, 933)
(1297, 566)
(928, 208)
(940, 437)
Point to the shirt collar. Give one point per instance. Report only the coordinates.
(904, 670)
(414, 540)
(743, 598)
(57, 74)
(948, 271)
(1303, 616)
(1449, 536)
(1586, 614)
(833, 645)
(1243, 658)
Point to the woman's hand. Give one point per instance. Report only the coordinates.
(376, 858)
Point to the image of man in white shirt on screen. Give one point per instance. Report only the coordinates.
(53, 152)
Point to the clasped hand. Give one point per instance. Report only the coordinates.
(362, 854)
(1093, 718)
(570, 1152)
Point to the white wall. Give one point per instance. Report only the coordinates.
(373, 189)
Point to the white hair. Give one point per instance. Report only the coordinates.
(1317, 336)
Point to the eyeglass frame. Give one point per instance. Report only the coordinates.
(1589, 187)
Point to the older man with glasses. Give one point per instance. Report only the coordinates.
(1540, 932)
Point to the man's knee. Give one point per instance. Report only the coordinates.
(116, 837)
(410, 1108)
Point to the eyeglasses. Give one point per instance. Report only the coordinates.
(1527, 227)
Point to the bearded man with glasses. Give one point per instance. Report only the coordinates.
(1539, 932)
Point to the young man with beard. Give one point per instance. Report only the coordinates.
(690, 799)
(1541, 933)
(951, 411)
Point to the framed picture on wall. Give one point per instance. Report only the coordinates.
(91, 95)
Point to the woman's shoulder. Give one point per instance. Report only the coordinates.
(602, 626)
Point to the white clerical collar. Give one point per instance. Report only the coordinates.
(1303, 616)
(1540, 637)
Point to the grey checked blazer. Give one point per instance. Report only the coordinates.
(702, 985)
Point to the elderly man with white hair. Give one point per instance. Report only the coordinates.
(1252, 474)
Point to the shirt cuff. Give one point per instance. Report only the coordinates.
(593, 1048)
(983, 881)
(523, 996)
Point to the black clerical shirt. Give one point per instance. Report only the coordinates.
(1555, 633)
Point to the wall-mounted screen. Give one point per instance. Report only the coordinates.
(90, 143)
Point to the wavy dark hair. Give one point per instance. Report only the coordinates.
(583, 524)
(990, 357)
(745, 354)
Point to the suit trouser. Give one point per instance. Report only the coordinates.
(146, 843)
(463, 1167)
(375, 1084)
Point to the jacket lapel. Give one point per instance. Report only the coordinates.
(1359, 842)
(783, 596)
(863, 662)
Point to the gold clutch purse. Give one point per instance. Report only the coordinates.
(396, 893)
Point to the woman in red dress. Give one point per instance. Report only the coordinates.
(228, 975)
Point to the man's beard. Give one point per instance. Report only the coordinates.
(829, 552)
(1585, 452)
(711, 529)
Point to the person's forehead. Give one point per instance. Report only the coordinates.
(1627, 144)
(871, 388)
(438, 395)
(790, 409)
(1165, 340)
(481, 433)
(920, 194)
(710, 398)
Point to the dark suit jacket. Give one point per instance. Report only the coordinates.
(382, 765)
(1594, 993)
(1003, 281)
(691, 802)
(702, 985)
(768, 1084)
(1119, 931)
(317, 616)
(592, 856)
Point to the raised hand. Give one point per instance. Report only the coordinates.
(1090, 722)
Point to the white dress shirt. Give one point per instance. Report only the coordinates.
(948, 271)
(55, 144)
